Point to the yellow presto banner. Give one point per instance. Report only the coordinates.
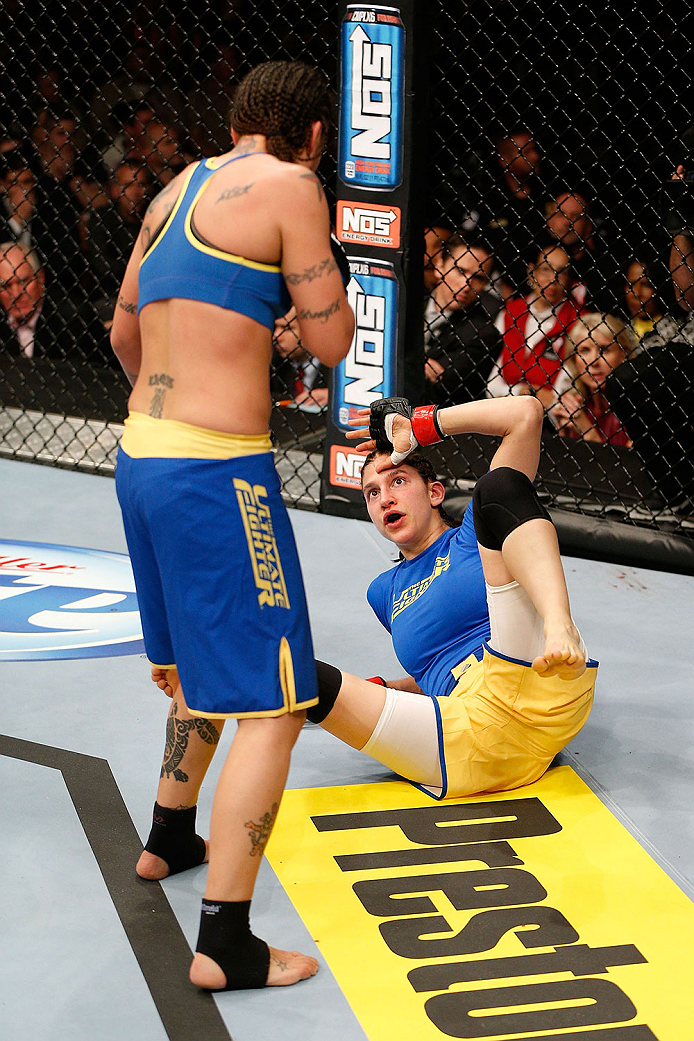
(527, 912)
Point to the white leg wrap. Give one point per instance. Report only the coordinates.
(405, 738)
(516, 626)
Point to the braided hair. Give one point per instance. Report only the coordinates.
(421, 464)
(282, 100)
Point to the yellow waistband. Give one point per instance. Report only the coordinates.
(146, 437)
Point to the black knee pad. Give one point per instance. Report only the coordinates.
(329, 683)
(503, 499)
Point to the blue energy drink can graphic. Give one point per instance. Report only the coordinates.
(368, 373)
(370, 143)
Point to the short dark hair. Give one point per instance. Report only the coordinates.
(419, 462)
(282, 100)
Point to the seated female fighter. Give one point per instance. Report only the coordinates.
(479, 613)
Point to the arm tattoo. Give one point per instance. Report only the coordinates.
(260, 833)
(162, 382)
(161, 197)
(315, 271)
(127, 306)
(167, 205)
(233, 193)
(177, 737)
(319, 186)
(323, 315)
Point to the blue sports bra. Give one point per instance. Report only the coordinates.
(179, 263)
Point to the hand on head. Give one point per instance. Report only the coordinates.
(398, 430)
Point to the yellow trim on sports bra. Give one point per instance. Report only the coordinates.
(171, 216)
(145, 437)
(212, 251)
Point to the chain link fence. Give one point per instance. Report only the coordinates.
(556, 257)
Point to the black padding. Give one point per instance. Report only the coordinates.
(503, 499)
(329, 683)
(340, 259)
(377, 420)
(226, 937)
(173, 838)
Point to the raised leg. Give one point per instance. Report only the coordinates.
(518, 542)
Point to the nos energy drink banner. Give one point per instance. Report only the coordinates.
(374, 224)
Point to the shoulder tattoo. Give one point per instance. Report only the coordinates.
(316, 181)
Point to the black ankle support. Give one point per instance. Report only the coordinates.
(329, 683)
(173, 838)
(226, 937)
(503, 499)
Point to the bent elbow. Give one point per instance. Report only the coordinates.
(335, 348)
(116, 342)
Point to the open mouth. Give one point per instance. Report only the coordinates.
(392, 517)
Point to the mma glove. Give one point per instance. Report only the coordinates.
(425, 427)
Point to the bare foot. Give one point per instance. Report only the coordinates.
(562, 655)
(153, 868)
(286, 967)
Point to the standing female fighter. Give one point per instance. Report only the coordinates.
(494, 712)
(216, 570)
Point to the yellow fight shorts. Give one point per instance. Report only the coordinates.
(503, 724)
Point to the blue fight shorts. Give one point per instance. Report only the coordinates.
(216, 569)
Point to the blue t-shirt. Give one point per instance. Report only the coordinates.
(435, 607)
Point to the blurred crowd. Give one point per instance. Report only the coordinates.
(528, 288)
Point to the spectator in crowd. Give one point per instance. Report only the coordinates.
(161, 149)
(14, 137)
(534, 329)
(653, 393)
(462, 341)
(58, 205)
(644, 305)
(512, 205)
(17, 195)
(298, 378)
(597, 264)
(132, 120)
(112, 230)
(681, 258)
(595, 345)
(36, 323)
(208, 117)
(50, 92)
(435, 237)
(22, 293)
(143, 78)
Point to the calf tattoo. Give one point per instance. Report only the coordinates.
(177, 737)
(260, 833)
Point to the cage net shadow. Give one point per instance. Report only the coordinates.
(557, 252)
